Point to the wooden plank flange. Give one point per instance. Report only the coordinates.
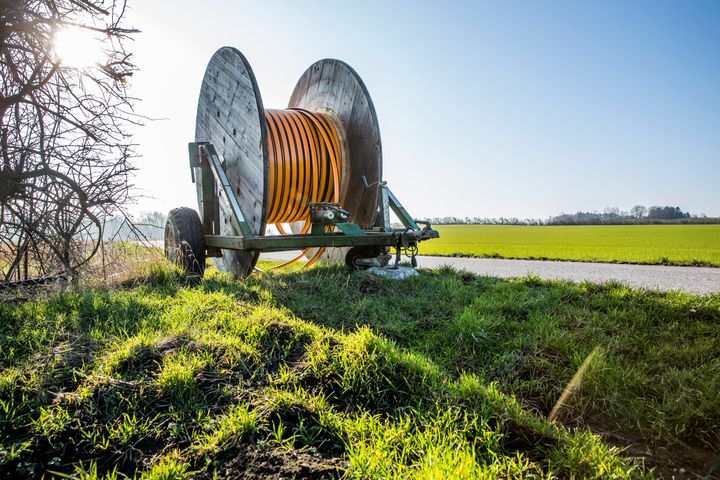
(231, 117)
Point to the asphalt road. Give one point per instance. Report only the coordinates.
(702, 280)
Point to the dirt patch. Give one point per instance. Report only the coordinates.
(145, 360)
(257, 462)
(306, 429)
(370, 284)
(523, 440)
(676, 461)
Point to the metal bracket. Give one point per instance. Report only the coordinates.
(210, 160)
(201, 174)
(194, 154)
(399, 210)
(388, 201)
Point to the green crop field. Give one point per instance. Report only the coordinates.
(324, 374)
(652, 244)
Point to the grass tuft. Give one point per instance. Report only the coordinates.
(325, 373)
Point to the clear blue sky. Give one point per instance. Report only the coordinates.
(523, 109)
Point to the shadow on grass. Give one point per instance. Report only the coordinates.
(653, 384)
(194, 350)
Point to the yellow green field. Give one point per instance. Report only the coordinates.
(651, 244)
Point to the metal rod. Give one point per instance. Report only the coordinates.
(295, 242)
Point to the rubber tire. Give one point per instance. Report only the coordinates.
(356, 253)
(185, 240)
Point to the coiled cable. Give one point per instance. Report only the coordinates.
(306, 162)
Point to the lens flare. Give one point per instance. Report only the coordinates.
(78, 47)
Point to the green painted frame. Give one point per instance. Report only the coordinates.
(216, 193)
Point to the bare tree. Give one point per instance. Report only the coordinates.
(66, 152)
(638, 211)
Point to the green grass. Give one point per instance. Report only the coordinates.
(323, 372)
(650, 244)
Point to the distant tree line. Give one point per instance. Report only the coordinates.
(149, 225)
(141, 227)
(482, 221)
(638, 214)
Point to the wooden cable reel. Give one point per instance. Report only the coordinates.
(278, 161)
(315, 167)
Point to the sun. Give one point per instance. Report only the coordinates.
(78, 47)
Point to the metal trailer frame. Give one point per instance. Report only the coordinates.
(215, 192)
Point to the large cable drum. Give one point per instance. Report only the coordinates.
(324, 147)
